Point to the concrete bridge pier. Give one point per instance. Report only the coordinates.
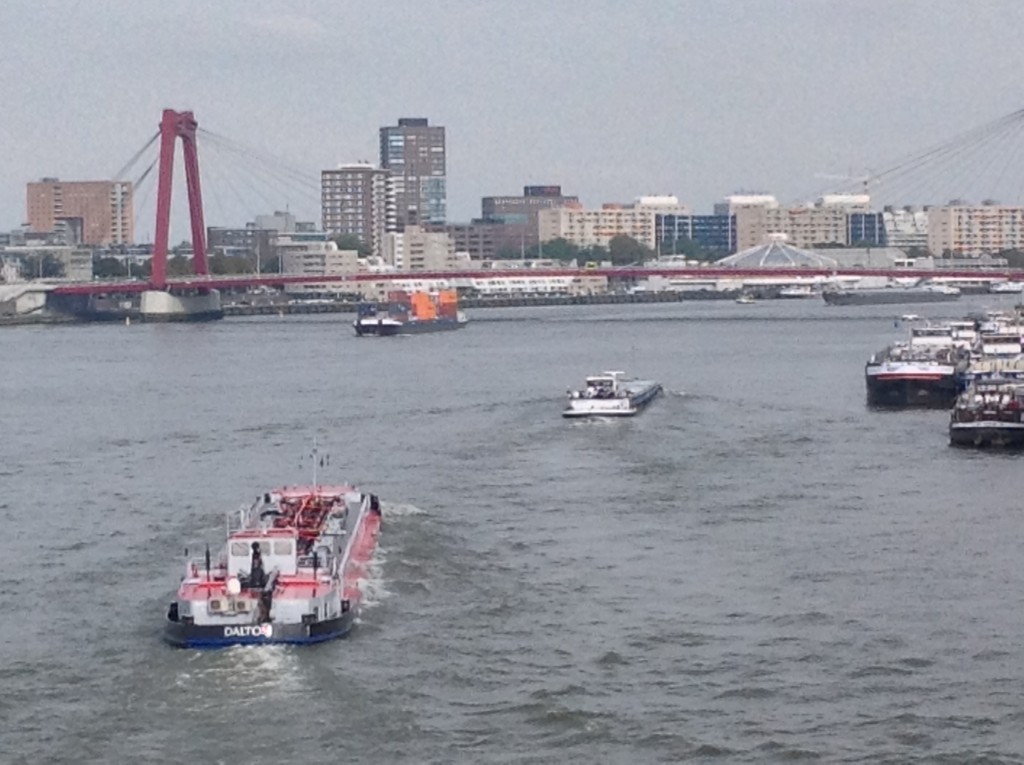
(158, 305)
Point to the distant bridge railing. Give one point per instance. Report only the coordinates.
(243, 281)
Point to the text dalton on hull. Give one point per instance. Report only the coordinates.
(290, 571)
(410, 314)
(611, 394)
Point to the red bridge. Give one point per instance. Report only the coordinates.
(175, 125)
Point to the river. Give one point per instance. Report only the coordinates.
(759, 568)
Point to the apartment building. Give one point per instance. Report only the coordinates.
(97, 213)
(358, 199)
(975, 230)
(596, 228)
(827, 221)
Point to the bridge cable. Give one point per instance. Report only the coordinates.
(135, 157)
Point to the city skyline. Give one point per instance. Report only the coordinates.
(608, 101)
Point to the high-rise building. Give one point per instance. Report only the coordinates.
(413, 152)
(94, 212)
(358, 199)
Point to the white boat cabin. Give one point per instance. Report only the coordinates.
(277, 547)
(602, 386)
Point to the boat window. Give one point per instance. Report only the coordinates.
(283, 547)
(239, 548)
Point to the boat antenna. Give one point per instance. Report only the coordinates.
(207, 563)
(316, 452)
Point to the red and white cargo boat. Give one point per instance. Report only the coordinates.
(291, 571)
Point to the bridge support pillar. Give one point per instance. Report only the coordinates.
(158, 305)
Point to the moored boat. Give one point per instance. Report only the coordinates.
(611, 394)
(289, 572)
(412, 313)
(927, 293)
(1005, 288)
(924, 372)
(796, 291)
(988, 414)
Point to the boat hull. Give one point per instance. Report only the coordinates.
(183, 635)
(380, 328)
(926, 391)
(987, 434)
(887, 297)
(634, 404)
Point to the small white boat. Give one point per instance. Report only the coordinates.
(1006, 288)
(797, 291)
(745, 299)
(610, 394)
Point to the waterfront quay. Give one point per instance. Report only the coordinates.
(242, 307)
(513, 301)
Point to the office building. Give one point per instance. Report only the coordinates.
(713, 233)
(312, 254)
(97, 213)
(250, 242)
(519, 213)
(413, 153)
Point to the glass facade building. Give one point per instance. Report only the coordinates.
(712, 232)
(866, 229)
(413, 152)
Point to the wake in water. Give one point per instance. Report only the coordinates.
(399, 510)
(372, 584)
(267, 670)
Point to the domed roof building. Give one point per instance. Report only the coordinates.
(777, 254)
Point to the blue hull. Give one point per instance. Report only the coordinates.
(182, 635)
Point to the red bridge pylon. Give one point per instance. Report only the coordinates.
(176, 125)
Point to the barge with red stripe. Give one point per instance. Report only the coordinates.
(291, 571)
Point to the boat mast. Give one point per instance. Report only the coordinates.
(314, 455)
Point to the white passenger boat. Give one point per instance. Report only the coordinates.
(611, 394)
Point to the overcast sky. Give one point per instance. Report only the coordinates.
(610, 99)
